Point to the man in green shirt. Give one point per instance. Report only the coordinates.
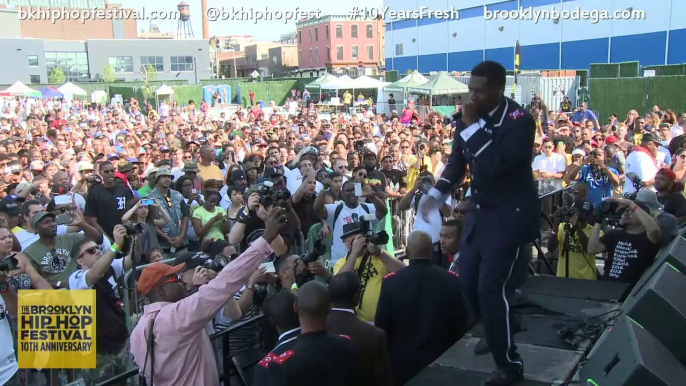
(51, 253)
(145, 190)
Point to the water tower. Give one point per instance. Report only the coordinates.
(185, 30)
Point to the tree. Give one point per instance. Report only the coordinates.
(152, 72)
(56, 76)
(108, 74)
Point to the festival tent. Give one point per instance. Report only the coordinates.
(70, 88)
(324, 79)
(365, 81)
(441, 84)
(50, 92)
(344, 82)
(163, 91)
(414, 79)
(20, 89)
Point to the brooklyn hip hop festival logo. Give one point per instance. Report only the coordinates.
(57, 329)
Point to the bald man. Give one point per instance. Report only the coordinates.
(207, 169)
(318, 357)
(420, 325)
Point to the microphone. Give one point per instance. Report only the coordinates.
(567, 199)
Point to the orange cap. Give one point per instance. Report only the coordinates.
(153, 274)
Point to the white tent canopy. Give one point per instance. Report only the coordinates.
(70, 88)
(341, 83)
(366, 82)
(20, 89)
(164, 90)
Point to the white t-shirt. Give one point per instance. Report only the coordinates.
(294, 179)
(26, 238)
(433, 227)
(677, 130)
(347, 216)
(553, 164)
(8, 361)
(642, 164)
(77, 280)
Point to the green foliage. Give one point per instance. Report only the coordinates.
(604, 70)
(392, 76)
(151, 71)
(617, 95)
(57, 76)
(108, 74)
(628, 69)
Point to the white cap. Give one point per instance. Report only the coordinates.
(579, 152)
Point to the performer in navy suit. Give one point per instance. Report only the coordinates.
(495, 137)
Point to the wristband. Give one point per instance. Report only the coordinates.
(115, 248)
(242, 217)
(635, 208)
(294, 286)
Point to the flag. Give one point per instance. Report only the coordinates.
(518, 54)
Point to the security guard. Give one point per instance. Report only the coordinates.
(495, 137)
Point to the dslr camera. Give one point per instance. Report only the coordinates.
(607, 211)
(9, 263)
(133, 229)
(217, 264)
(269, 195)
(638, 184)
(318, 249)
(376, 238)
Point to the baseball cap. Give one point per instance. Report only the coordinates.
(113, 156)
(153, 274)
(579, 152)
(237, 174)
(81, 166)
(272, 172)
(37, 166)
(125, 167)
(648, 197)
(191, 260)
(9, 207)
(39, 216)
(650, 137)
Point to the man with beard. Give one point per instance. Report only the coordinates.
(107, 203)
(395, 183)
(173, 235)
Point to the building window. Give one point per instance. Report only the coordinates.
(355, 53)
(328, 53)
(35, 79)
(121, 64)
(310, 56)
(339, 52)
(181, 63)
(353, 30)
(339, 31)
(316, 34)
(316, 54)
(156, 61)
(326, 29)
(300, 37)
(370, 52)
(398, 49)
(73, 64)
(310, 33)
(370, 31)
(300, 58)
(33, 60)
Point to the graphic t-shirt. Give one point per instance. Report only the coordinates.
(598, 182)
(54, 264)
(581, 263)
(108, 205)
(204, 216)
(629, 255)
(371, 276)
(674, 203)
(346, 216)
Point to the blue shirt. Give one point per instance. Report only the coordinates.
(601, 188)
(579, 116)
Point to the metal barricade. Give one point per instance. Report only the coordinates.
(127, 301)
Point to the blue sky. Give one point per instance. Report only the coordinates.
(263, 30)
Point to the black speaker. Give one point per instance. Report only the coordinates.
(674, 253)
(660, 307)
(631, 356)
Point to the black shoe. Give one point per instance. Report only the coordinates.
(482, 348)
(501, 378)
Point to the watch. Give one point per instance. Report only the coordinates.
(250, 286)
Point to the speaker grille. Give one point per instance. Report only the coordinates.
(670, 286)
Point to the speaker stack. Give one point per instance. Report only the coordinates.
(647, 345)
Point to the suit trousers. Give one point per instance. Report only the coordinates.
(491, 267)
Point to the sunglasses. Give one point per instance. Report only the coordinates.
(91, 250)
(169, 203)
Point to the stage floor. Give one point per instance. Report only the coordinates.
(544, 306)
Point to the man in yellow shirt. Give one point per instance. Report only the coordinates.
(208, 170)
(370, 263)
(347, 100)
(581, 263)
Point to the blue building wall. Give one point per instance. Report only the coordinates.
(434, 44)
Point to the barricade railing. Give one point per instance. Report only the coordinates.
(126, 292)
(228, 366)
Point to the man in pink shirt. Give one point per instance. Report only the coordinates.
(182, 350)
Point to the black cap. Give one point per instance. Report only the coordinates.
(191, 259)
(272, 172)
(9, 207)
(351, 229)
(237, 174)
(650, 137)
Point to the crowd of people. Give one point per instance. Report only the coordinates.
(298, 216)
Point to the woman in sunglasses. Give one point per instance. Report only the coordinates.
(100, 271)
(145, 214)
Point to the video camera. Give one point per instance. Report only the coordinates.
(217, 264)
(638, 184)
(607, 211)
(376, 238)
(269, 195)
(318, 249)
